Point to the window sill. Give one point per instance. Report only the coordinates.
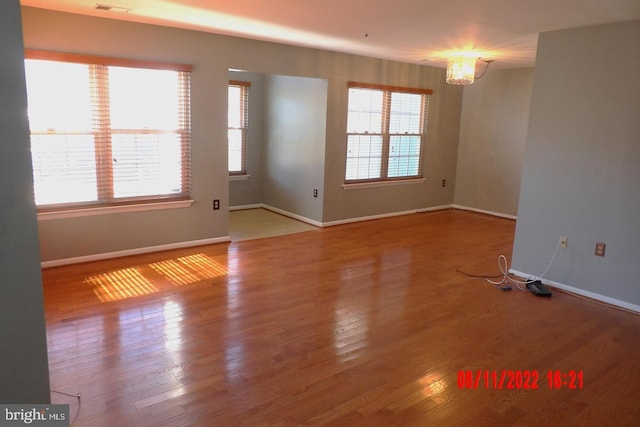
(358, 185)
(105, 210)
(239, 177)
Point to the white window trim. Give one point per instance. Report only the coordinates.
(359, 185)
(105, 210)
(239, 177)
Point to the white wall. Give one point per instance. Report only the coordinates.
(581, 176)
(493, 131)
(24, 370)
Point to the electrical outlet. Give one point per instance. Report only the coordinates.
(444, 182)
(600, 247)
(563, 242)
(315, 192)
(216, 204)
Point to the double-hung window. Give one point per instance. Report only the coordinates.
(386, 128)
(238, 124)
(107, 131)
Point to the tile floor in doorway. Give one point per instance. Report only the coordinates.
(250, 224)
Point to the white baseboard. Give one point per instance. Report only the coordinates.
(136, 251)
(367, 218)
(245, 207)
(180, 245)
(482, 211)
(294, 216)
(434, 208)
(581, 292)
(387, 215)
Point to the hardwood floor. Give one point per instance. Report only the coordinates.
(365, 324)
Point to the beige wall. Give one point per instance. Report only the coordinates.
(212, 56)
(493, 130)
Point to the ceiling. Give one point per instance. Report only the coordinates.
(416, 31)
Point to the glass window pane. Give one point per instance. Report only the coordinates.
(234, 107)
(235, 150)
(364, 157)
(364, 111)
(144, 99)
(404, 156)
(63, 168)
(405, 113)
(59, 96)
(146, 164)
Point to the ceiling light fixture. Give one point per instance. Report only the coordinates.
(461, 70)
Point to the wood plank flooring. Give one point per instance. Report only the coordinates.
(364, 324)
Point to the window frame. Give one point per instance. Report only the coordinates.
(387, 92)
(102, 136)
(244, 125)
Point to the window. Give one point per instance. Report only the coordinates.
(238, 124)
(385, 132)
(107, 131)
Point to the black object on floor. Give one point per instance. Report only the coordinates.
(538, 289)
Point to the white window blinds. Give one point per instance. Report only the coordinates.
(238, 125)
(107, 131)
(385, 132)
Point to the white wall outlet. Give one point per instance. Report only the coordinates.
(563, 242)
